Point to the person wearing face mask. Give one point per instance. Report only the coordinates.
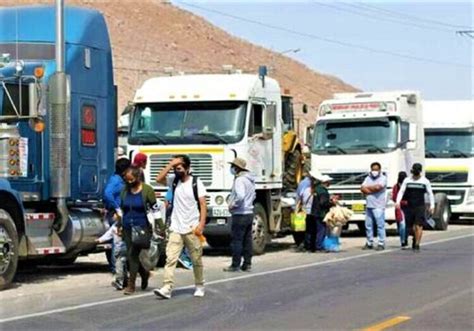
(136, 199)
(188, 218)
(374, 188)
(241, 207)
(320, 206)
(413, 191)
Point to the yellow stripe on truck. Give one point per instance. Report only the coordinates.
(181, 150)
(447, 169)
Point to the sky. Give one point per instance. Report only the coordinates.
(372, 45)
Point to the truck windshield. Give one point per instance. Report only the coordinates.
(220, 122)
(355, 137)
(449, 144)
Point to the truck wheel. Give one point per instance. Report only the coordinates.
(298, 237)
(293, 170)
(8, 249)
(259, 230)
(442, 212)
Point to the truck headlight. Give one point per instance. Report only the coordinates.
(219, 200)
(470, 195)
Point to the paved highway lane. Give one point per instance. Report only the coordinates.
(354, 290)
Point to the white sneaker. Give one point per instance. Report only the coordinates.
(164, 292)
(199, 292)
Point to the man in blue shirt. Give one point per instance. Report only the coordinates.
(374, 188)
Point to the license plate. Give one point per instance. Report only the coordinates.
(220, 212)
(358, 207)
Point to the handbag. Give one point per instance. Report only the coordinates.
(298, 220)
(141, 236)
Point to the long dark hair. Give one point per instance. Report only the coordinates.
(401, 177)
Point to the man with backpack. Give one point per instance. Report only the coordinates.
(188, 219)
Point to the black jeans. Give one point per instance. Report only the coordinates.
(310, 235)
(241, 239)
(134, 264)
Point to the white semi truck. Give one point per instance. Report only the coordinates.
(214, 118)
(449, 148)
(355, 129)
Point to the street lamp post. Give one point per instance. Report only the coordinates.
(291, 50)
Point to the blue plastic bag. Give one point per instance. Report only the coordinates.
(331, 244)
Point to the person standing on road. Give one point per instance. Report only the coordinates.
(304, 201)
(241, 207)
(413, 191)
(374, 188)
(399, 212)
(188, 219)
(111, 199)
(320, 206)
(136, 199)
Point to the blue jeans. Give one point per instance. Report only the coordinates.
(376, 215)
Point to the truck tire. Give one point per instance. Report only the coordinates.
(259, 230)
(8, 249)
(293, 170)
(442, 212)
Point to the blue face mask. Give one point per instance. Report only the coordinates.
(232, 171)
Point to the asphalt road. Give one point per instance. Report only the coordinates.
(430, 290)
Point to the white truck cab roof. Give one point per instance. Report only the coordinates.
(448, 114)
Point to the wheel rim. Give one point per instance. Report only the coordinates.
(6, 250)
(258, 230)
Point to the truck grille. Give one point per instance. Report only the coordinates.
(447, 177)
(347, 178)
(201, 165)
(350, 196)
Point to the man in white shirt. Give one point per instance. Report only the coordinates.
(188, 219)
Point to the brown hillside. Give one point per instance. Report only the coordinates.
(148, 36)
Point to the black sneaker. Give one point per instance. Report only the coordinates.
(380, 248)
(231, 269)
(367, 246)
(246, 268)
(416, 248)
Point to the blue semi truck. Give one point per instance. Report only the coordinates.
(57, 133)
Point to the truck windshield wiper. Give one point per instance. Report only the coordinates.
(370, 147)
(430, 154)
(212, 135)
(149, 138)
(336, 148)
(457, 153)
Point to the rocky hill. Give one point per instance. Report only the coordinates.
(148, 36)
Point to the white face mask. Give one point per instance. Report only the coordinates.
(375, 173)
(232, 171)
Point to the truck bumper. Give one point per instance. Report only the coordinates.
(389, 216)
(218, 227)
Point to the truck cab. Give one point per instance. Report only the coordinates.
(355, 129)
(213, 118)
(54, 162)
(449, 147)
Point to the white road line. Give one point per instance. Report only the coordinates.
(220, 281)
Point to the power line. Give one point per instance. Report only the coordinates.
(411, 17)
(327, 40)
(380, 18)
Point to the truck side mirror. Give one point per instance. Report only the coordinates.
(305, 109)
(412, 134)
